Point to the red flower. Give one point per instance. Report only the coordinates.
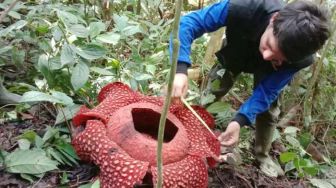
(120, 137)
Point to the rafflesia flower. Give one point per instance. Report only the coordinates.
(120, 136)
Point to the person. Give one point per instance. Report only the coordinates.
(267, 38)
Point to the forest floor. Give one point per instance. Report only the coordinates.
(224, 176)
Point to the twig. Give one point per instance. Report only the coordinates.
(4, 106)
(323, 141)
(66, 121)
(197, 116)
(236, 96)
(37, 182)
(5, 12)
(163, 117)
(289, 116)
(49, 110)
(220, 178)
(244, 179)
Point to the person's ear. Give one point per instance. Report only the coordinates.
(274, 17)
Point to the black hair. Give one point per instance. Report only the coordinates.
(301, 28)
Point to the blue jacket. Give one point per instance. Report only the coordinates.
(211, 18)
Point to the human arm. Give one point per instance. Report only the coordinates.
(263, 96)
(192, 26)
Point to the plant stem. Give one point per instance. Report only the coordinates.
(176, 46)
(138, 8)
(308, 102)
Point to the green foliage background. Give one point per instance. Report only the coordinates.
(61, 52)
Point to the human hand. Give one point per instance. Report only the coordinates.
(180, 85)
(231, 135)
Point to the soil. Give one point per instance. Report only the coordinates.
(224, 176)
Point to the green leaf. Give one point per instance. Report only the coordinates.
(36, 96)
(131, 30)
(110, 38)
(295, 144)
(42, 29)
(24, 144)
(67, 113)
(289, 166)
(287, 156)
(311, 170)
(43, 61)
(305, 139)
(303, 162)
(67, 18)
(103, 72)
(67, 55)
(51, 132)
(57, 34)
(121, 22)
(67, 158)
(28, 177)
(80, 75)
(157, 57)
(14, 15)
(90, 52)
(38, 141)
(64, 178)
(140, 77)
(114, 64)
(95, 28)
(96, 184)
(218, 107)
(18, 56)
(29, 135)
(88, 185)
(79, 30)
(43, 66)
(29, 162)
(17, 25)
(54, 63)
(3, 154)
(207, 99)
(321, 183)
(276, 135)
(55, 154)
(290, 130)
(66, 147)
(5, 49)
(151, 69)
(66, 100)
(296, 163)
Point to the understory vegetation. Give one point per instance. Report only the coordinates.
(57, 54)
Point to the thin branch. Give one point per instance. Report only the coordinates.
(308, 104)
(197, 116)
(234, 95)
(283, 123)
(323, 141)
(5, 12)
(138, 8)
(176, 46)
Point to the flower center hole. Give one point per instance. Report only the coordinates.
(146, 121)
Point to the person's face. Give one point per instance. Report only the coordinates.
(269, 47)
